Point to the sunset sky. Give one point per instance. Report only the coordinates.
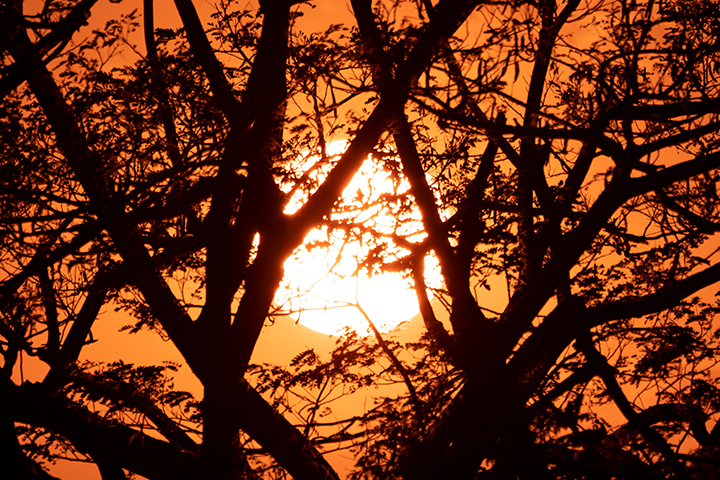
(567, 172)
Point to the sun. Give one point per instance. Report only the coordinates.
(323, 288)
(328, 302)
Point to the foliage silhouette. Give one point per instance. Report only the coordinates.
(559, 160)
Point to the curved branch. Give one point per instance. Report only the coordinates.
(105, 443)
(434, 327)
(168, 121)
(607, 374)
(571, 317)
(276, 434)
(664, 298)
(204, 55)
(60, 33)
(450, 15)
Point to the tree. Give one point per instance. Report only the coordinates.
(563, 158)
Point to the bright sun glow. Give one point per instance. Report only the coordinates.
(322, 290)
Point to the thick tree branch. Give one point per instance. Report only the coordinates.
(469, 323)
(662, 299)
(171, 136)
(60, 33)
(571, 245)
(86, 168)
(203, 53)
(526, 304)
(104, 442)
(450, 16)
(275, 433)
(264, 101)
(569, 319)
(434, 327)
(607, 374)
(14, 464)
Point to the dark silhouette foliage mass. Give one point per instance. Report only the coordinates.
(559, 160)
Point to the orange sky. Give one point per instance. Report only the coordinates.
(278, 343)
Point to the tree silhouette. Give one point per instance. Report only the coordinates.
(563, 158)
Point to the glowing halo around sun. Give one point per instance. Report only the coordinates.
(322, 287)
